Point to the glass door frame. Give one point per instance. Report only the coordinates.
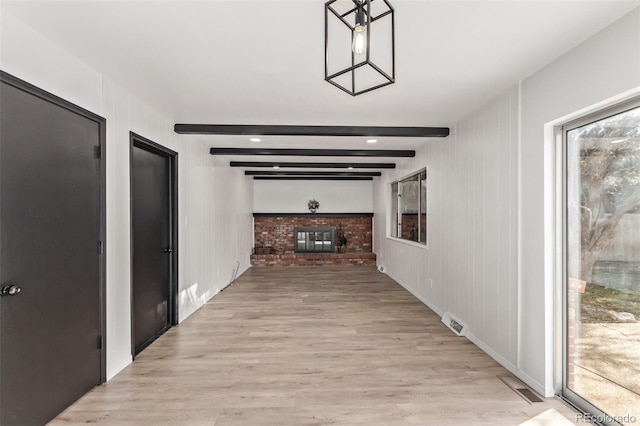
(561, 131)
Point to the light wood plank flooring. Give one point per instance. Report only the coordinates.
(309, 346)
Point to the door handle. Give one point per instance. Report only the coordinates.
(10, 290)
(168, 250)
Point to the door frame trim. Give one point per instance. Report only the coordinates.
(138, 141)
(613, 107)
(102, 261)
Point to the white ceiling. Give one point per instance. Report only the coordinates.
(262, 62)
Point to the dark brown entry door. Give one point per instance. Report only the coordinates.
(152, 251)
(50, 266)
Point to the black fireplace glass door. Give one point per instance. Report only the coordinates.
(314, 240)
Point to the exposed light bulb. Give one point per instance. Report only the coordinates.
(359, 45)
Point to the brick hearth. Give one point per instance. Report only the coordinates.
(273, 232)
(314, 259)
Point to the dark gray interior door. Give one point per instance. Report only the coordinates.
(50, 228)
(152, 247)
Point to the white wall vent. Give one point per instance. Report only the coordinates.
(457, 326)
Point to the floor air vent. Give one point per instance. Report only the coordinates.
(521, 389)
(454, 324)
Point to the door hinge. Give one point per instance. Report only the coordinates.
(100, 247)
(100, 343)
(98, 151)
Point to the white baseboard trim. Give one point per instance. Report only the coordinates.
(430, 305)
(113, 371)
(528, 380)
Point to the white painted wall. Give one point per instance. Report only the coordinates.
(469, 267)
(292, 196)
(215, 203)
(217, 224)
(491, 206)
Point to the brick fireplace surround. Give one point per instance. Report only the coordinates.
(274, 232)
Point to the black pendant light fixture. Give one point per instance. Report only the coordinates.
(359, 45)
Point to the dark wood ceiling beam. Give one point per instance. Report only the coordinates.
(311, 178)
(296, 173)
(268, 130)
(313, 165)
(314, 152)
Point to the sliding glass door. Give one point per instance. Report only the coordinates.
(602, 264)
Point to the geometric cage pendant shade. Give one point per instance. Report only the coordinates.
(359, 45)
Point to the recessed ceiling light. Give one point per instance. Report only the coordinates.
(350, 167)
(372, 140)
(276, 167)
(255, 139)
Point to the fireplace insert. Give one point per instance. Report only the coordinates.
(313, 240)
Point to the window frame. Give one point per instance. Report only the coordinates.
(561, 130)
(393, 224)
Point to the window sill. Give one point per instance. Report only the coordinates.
(408, 242)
